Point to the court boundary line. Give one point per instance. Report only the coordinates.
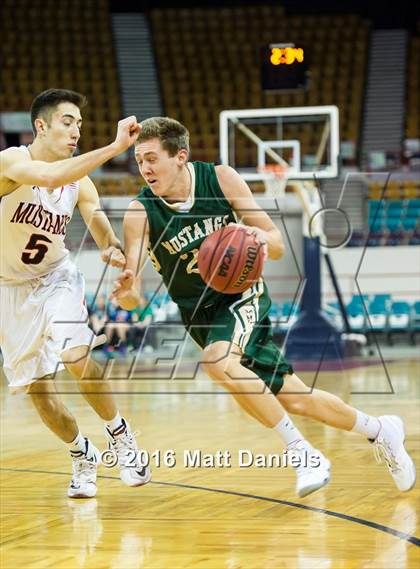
(373, 525)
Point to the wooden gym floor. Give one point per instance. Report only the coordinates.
(221, 517)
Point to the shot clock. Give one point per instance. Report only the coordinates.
(284, 67)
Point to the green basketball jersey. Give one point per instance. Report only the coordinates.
(176, 236)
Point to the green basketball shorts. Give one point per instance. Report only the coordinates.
(242, 320)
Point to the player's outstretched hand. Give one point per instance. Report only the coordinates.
(127, 133)
(259, 234)
(122, 285)
(113, 256)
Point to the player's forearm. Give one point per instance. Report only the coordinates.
(275, 244)
(63, 172)
(105, 240)
(99, 226)
(114, 242)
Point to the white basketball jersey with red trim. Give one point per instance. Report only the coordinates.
(33, 224)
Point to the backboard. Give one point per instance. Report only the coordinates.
(306, 139)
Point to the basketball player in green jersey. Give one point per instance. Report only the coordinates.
(183, 203)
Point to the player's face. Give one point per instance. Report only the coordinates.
(160, 170)
(61, 134)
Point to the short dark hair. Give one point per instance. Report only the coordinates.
(48, 100)
(173, 135)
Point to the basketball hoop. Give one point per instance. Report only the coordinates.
(275, 179)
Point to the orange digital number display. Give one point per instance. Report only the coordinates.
(286, 55)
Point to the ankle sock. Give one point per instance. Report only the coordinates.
(78, 445)
(366, 425)
(288, 431)
(117, 425)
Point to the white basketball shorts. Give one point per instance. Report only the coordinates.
(39, 319)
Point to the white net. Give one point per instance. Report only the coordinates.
(275, 178)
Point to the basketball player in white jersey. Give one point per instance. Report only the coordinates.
(43, 321)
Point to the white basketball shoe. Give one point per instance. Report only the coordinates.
(122, 441)
(311, 467)
(389, 444)
(85, 464)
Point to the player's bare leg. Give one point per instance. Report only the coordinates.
(221, 361)
(387, 431)
(299, 399)
(223, 365)
(95, 388)
(61, 422)
(52, 410)
(97, 391)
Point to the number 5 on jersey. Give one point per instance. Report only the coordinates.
(35, 249)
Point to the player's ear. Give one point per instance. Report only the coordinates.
(183, 156)
(41, 127)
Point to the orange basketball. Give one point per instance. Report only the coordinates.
(231, 260)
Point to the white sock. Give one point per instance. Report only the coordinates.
(78, 445)
(288, 432)
(114, 423)
(366, 425)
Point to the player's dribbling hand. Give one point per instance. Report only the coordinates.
(259, 234)
(122, 285)
(114, 257)
(127, 133)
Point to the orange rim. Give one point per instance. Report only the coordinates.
(276, 169)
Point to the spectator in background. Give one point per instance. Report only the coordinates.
(117, 328)
(141, 318)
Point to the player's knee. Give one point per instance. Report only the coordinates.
(296, 405)
(215, 370)
(43, 401)
(46, 406)
(214, 362)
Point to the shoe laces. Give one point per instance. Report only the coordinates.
(83, 467)
(382, 449)
(125, 441)
(123, 444)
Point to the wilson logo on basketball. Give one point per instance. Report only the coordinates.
(227, 259)
(252, 254)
